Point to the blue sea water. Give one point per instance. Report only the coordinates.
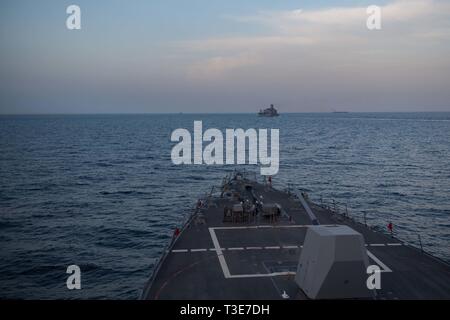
(100, 191)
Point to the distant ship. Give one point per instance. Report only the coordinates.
(269, 112)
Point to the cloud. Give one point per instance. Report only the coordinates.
(322, 57)
(321, 32)
(219, 66)
(396, 11)
(244, 43)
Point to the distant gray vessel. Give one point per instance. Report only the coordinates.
(269, 112)
(248, 240)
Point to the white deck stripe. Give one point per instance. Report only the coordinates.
(223, 263)
(258, 275)
(384, 267)
(397, 244)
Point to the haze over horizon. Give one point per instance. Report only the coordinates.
(205, 56)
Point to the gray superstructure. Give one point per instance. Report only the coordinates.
(231, 249)
(268, 112)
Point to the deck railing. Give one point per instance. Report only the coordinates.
(343, 211)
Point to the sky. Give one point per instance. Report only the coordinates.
(159, 56)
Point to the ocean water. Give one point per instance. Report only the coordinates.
(100, 191)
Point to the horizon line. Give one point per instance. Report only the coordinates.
(212, 113)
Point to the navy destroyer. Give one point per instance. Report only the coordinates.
(246, 240)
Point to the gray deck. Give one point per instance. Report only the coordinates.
(258, 259)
